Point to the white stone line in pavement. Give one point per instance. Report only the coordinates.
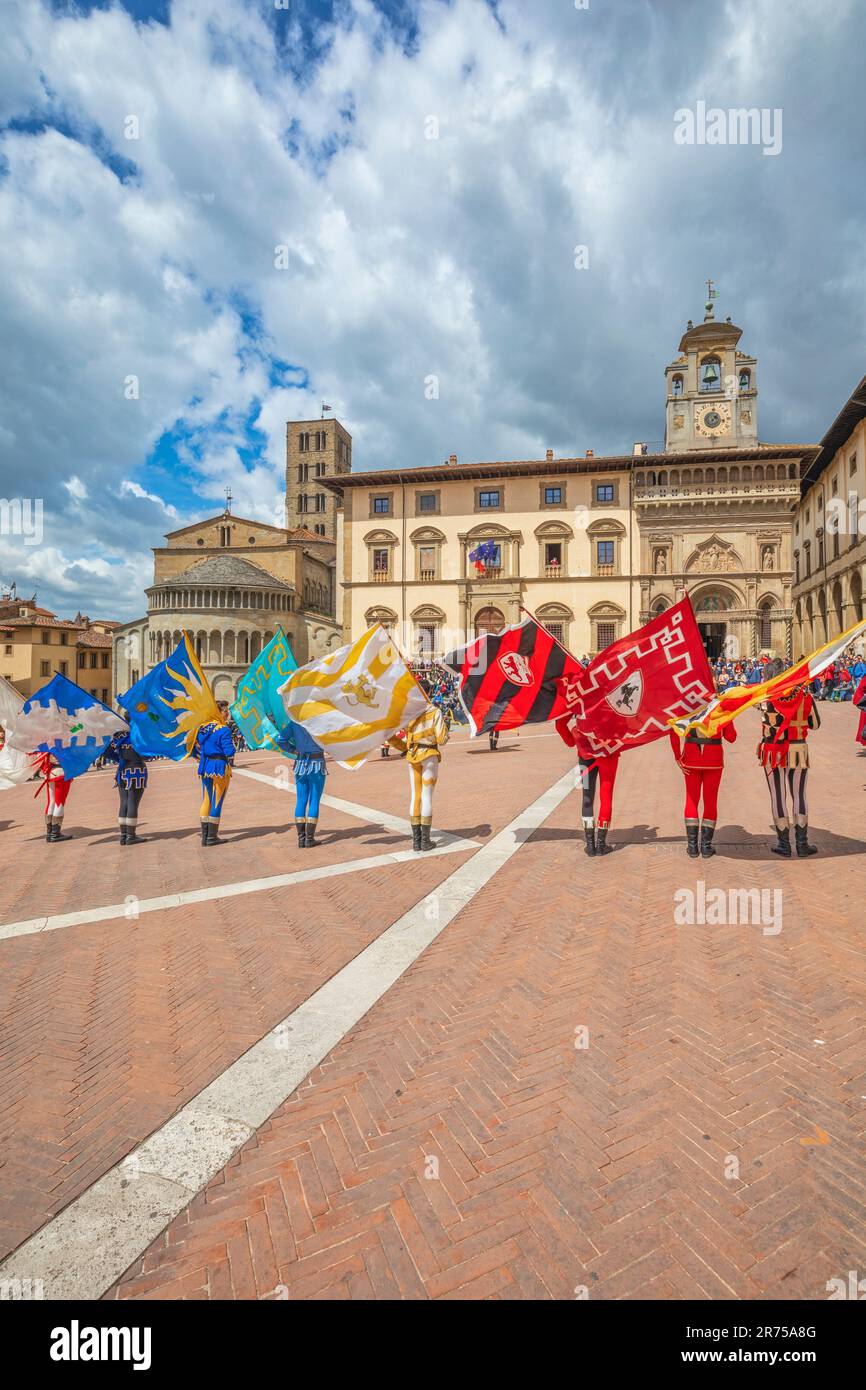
(136, 906)
(84, 1250)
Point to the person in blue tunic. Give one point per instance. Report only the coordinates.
(310, 774)
(130, 780)
(216, 751)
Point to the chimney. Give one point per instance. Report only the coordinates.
(550, 456)
(590, 453)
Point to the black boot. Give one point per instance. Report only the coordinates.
(692, 841)
(801, 835)
(310, 840)
(49, 826)
(416, 837)
(426, 842)
(123, 834)
(204, 830)
(784, 845)
(707, 850)
(212, 836)
(57, 833)
(132, 838)
(301, 827)
(601, 845)
(589, 836)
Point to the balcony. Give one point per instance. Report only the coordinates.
(427, 576)
(491, 572)
(605, 571)
(381, 576)
(723, 491)
(553, 571)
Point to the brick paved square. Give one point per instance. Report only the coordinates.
(568, 1091)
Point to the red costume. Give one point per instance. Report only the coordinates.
(860, 695)
(702, 761)
(56, 791)
(595, 772)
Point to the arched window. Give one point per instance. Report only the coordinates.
(677, 386)
(711, 374)
(745, 379)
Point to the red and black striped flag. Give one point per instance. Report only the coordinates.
(512, 677)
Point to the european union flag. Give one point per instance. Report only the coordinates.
(258, 710)
(63, 719)
(168, 706)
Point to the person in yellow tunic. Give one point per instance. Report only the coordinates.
(421, 741)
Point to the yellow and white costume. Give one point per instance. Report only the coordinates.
(422, 741)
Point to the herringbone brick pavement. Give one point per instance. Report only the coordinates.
(108, 1028)
(570, 1094)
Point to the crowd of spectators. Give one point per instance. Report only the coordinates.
(838, 682)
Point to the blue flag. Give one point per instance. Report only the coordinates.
(63, 719)
(168, 706)
(258, 710)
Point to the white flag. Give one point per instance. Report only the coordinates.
(15, 766)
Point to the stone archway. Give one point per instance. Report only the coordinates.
(716, 605)
(489, 620)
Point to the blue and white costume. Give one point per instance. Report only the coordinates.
(310, 774)
(130, 780)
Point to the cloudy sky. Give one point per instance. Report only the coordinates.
(426, 170)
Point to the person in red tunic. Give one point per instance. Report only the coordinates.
(596, 774)
(860, 702)
(56, 791)
(702, 762)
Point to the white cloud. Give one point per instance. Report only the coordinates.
(409, 256)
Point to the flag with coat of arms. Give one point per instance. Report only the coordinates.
(355, 698)
(632, 691)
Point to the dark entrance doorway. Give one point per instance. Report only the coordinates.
(714, 635)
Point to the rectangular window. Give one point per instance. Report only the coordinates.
(852, 465)
(604, 492)
(104, 697)
(94, 657)
(8, 649)
(553, 555)
(428, 502)
(604, 552)
(556, 630)
(426, 562)
(105, 659)
(82, 658)
(303, 443)
(64, 668)
(606, 635)
(426, 638)
(489, 499)
(44, 667)
(46, 638)
(552, 496)
(381, 506)
(64, 639)
(380, 561)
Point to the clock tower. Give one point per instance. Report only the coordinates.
(712, 394)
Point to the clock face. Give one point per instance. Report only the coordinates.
(712, 419)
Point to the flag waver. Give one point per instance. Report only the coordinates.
(62, 719)
(721, 709)
(168, 706)
(351, 701)
(258, 710)
(512, 677)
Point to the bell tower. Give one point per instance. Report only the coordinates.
(712, 393)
